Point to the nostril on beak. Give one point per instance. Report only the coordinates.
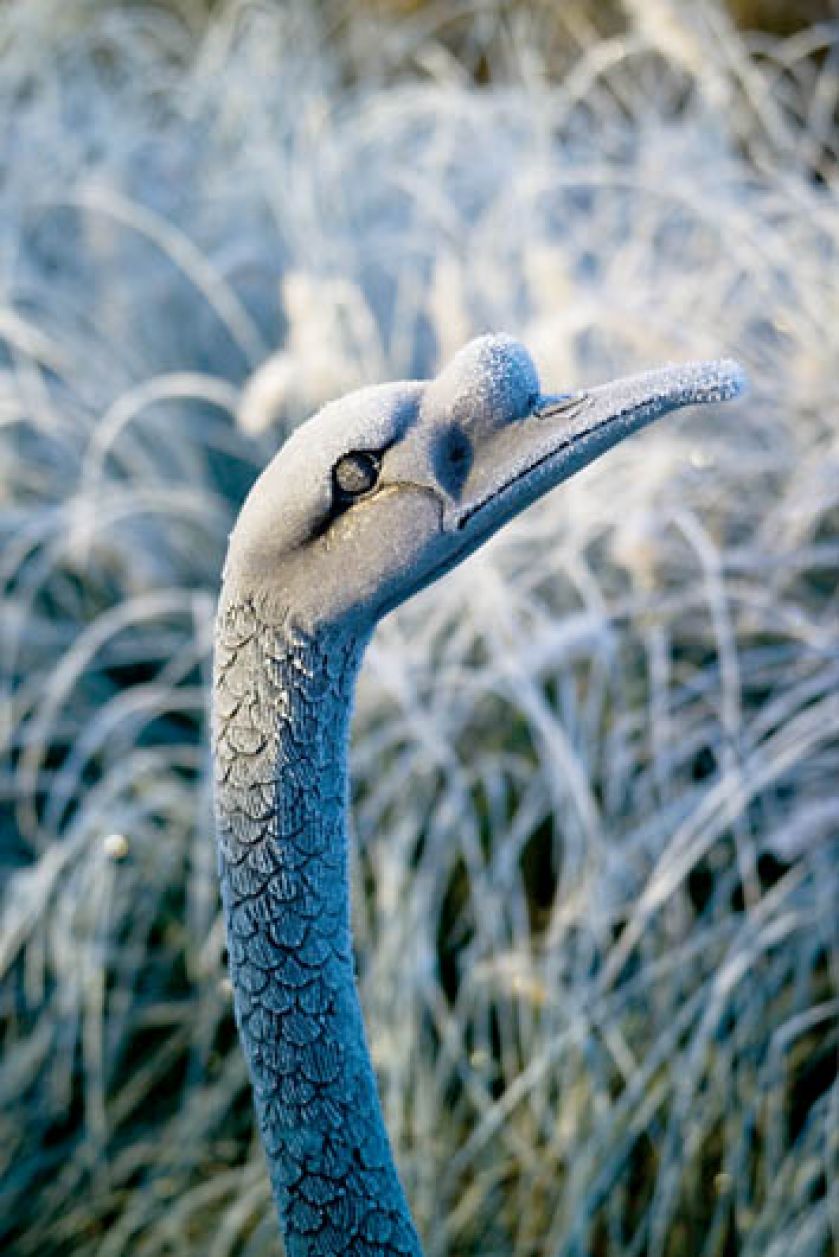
(558, 403)
(453, 456)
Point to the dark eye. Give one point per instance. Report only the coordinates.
(356, 473)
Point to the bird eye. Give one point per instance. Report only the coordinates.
(356, 473)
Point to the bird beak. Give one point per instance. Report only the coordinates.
(516, 464)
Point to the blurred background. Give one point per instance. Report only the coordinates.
(595, 771)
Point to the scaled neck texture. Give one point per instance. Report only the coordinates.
(282, 703)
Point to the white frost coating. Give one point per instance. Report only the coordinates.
(310, 574)
(238, 148)
(625, 405)
(491, 381)
(685, 383)
(522, 444)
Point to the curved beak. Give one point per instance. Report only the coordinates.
(516, 464)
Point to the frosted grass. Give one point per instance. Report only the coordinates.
(594, 770)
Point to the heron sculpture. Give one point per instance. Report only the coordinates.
(378, 495)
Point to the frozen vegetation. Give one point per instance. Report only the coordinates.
(596, 808)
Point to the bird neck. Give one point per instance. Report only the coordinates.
(282, 704)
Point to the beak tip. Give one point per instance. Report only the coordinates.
(721, 381)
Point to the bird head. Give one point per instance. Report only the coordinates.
(388, 488)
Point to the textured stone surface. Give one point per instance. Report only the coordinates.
(282, 704)
(449, 463)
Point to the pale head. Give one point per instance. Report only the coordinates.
(386, 489)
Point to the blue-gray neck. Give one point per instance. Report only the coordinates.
(282, 704)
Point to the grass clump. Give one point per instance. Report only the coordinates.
(595, 769)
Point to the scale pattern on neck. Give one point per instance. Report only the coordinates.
(282, 703)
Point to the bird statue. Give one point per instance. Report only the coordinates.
(378, 495)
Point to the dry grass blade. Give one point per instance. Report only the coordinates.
(595, 770)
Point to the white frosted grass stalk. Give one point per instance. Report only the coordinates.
(599, 710)
(129, 408)
(186, 257)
